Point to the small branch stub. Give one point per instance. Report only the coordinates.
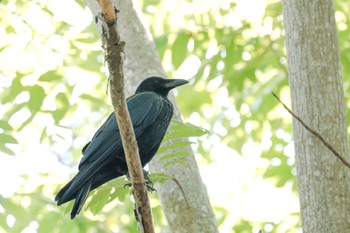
(108, 11)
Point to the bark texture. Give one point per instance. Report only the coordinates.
(317, 98)
(141, 61)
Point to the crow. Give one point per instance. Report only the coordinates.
(103, 157)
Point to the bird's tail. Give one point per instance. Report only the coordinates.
(80, 191)
(80, 199)
(80, 195)
(62, 193)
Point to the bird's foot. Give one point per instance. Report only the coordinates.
(149, 183)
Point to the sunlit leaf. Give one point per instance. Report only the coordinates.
(5, 125)
(176, 155)
(17, 210)
(161, 43)
(6, 150)
(159, 177)
(121, 193)
(99, 200)
(62, 105)
(175, 145)
(11, 94)
(178, 129)
(92, 99)
(107, 193)
(175, 162)
(37, 96)
(69, 207)
(50, 76)
(5, 138)
(179, 49)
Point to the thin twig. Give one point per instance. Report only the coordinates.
(115, 59)
(182, 191)
(315, 133)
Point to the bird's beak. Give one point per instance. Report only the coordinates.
(172, 83)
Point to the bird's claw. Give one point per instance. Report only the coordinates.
(149, 186)
(127, 185)
(148, 181)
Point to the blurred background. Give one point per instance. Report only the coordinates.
(53, 98)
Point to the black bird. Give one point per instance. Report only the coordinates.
(104, 159)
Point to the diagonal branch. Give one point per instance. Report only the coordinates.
(115, 58)
(315, 133)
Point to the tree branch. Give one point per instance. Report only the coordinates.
(315, 133)
(115, 58)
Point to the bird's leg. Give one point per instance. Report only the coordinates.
(149, 183)
(127, 184)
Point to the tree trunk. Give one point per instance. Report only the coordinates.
(142, 60)
(317, 97)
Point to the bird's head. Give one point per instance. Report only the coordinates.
(159, 85)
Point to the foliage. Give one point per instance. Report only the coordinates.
(51, 67)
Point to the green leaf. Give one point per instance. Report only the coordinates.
(179, 129)
(5, 126)
(29, 120)
(69, 207)
(243, 226)
(179, 49)
(62, 105)
(54, 222)
(50, 76)
(107, 193)
(120, 192)
(174, 145)
(18, 211)
(37, 96)
(174, 162)
(99, 200)
(5, 138)
(161, 44)
(93, 99)
(221, 214)
(274, 9)
(47, 222)
(175, 155)
(159, 177)
(11, 93)
(6, 150)
(3, 223)
(201, 42)
(43, 135)
(213, 63)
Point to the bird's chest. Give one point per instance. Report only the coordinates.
(150, 141)
(159, 127)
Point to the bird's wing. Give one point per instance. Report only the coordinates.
(103, 142)
(103, 126)
(143, 108)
